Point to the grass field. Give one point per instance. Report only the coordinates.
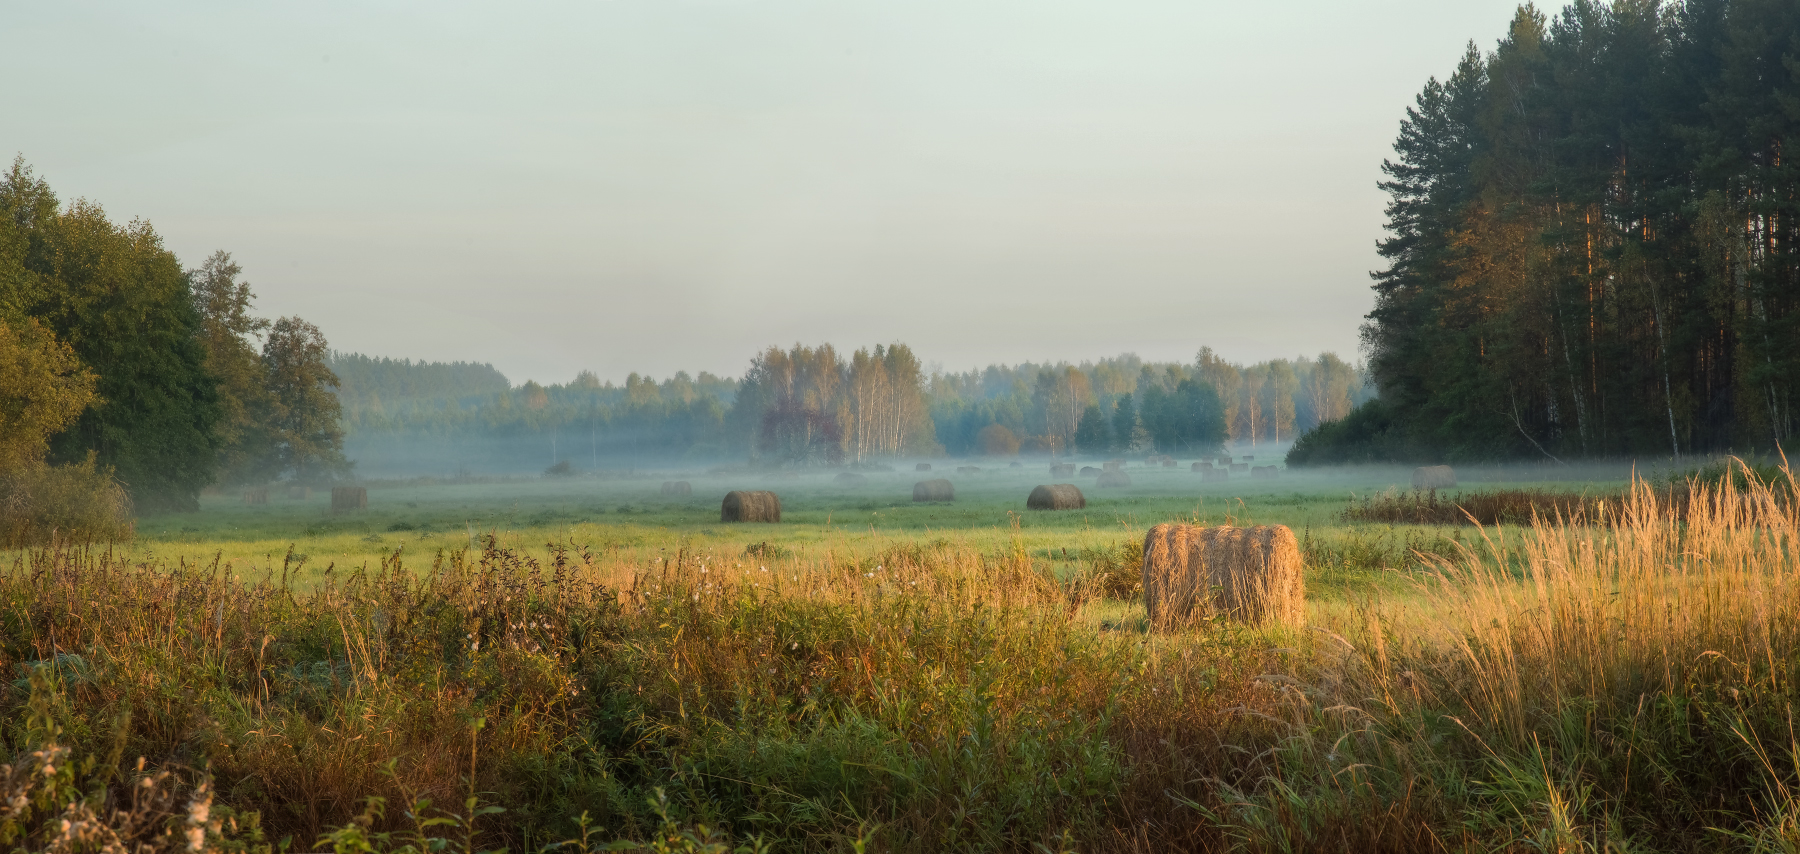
(876, 675)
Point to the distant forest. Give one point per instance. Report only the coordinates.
(814, 405)
(1595, 243)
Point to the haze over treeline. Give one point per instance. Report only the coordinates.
(816, 405)
(1595, 242)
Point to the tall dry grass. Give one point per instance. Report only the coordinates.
(1625, 685)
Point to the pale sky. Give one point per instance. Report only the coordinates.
(659, 185)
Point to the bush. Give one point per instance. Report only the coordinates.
(75, 503)
(1369, 434)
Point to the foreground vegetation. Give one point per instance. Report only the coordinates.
(1627, 684)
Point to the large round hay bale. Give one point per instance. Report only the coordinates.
(1434, 477)
(1113, 478)
(1223, 460)
(1113, 465)
(849, 478)
(1252, 575)
(1201, 466)
(750, 506)
(1089, 471)
(1210, 475)
(260, 495)
(922, 467)
(934, 490)
(345, 499)
(1062, 469)
(677, 487)
(1056, 496)
(1168, 462)
(1263, 473)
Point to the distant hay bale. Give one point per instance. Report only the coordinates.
(1058, 496)
(677, 487)
(1113, 478)
(1062, 469)
(347, 498)
(849, 478)
(1248, 458)
(1168, 462)
(1113, 465)
(922, 467)
(934, 490)
(1201, 466)
(750, 505)
(1089, 471)
(1210, 475)
(1240, 466)
(298, 493)
(1252, 575)
(1263, 473)
(1434, 477)
(1223, 460)
(1015, 465)
(968, 469)
(259, 495)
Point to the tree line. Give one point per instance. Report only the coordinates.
(1594, 242)
(122, 364)
(812, 405)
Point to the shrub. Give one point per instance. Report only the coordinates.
(74, 503)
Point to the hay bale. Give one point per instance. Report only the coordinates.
(347, 498)
(677, 487)
(1168, 462)
(256, 496)
(849, 478)
(1210, 475)
(968, 469)
(934, 490)
(1249, 458)
(1089, 471)
(1200, 466)
(750, 505)
(1058, 496)
(1110, 479)
(922, 467)
(1015, 465)
(1240, 466)
(1263, 473)
(1434, 477)
(1062, 469)
(299, 493)
(1113, 465)
(1252, 575)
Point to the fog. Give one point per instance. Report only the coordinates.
(658, 186)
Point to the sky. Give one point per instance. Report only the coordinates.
(663, 185)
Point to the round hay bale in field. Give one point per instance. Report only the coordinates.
(1113, 478)
(1434, 477)
(677, 487)
(1263, 473)
(1062, 469)
(1113, 465)
(1056, 496)
(934, 490)
(1090, 471)
(1210, 475)
(849, 478)
(1015, 465)
(259, 495)
(968, 469)
(1249, 458)
(750, 505)
(922, 467)
(1252, 575)
(1168, 462)
(345, 499)
(1240, 466)
(1223, 460)
(1201, 466)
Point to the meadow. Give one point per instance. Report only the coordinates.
(581, 662)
